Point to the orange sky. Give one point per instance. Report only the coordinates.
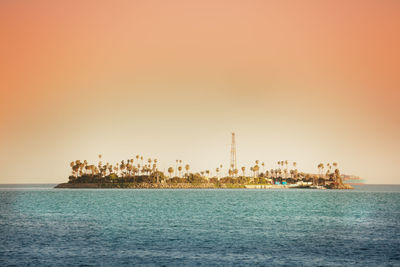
(309, 81)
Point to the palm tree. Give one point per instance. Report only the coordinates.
(170, 171)
(335, 165)
(322, 168)
(294, 164)
(329, 168)
(180, 169)
(262, 164)
(72, 164)
(256, 168)
(243, 170)
(217, 171)
(187, 167)
(122, 167)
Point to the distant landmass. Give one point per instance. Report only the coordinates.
(140, 173)
(130, 175)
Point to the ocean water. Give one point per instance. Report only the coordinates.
(41, 226)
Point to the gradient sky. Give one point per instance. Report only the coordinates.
(306, 81)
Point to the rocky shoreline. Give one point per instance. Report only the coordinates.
(147, 185)
(180, 186)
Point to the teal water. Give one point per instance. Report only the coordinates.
(44, 226)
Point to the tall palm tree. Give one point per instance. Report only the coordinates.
(180, 170)
(335, 165)
(85, 163)
(243, 170)
(72, 164)
(122, 167)
(187, 167)
(256, 168)
(154, 168)
(170, 171)
(322, 168)
(217, 171)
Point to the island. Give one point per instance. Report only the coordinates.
(137, 174)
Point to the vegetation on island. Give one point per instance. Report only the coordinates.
(140, 172)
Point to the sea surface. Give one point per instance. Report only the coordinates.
(42, 226)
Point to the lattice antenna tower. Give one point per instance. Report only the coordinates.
(233, 165)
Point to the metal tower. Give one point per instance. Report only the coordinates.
(233, 165)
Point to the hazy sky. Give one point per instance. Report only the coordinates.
(306, 81)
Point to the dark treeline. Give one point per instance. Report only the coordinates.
(140, 171)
